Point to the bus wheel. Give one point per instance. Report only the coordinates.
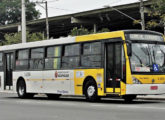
(91, 91)
(53, 96)
(21, 90)
(129, 98)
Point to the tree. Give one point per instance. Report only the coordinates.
(79, 31)
(10, 11)
(14, 38)
(83, 31)
(157, 14)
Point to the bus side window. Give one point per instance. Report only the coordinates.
(22, 59)
(53, 58)
(1, 61)
(36, 61)
(71, 58)
(91, 55)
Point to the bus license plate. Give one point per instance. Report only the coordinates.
(154, 87)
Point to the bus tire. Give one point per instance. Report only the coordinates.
(21, 90)
(129, 98)
(53, 96)
(91, 91)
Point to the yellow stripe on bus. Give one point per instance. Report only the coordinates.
(46, 79)
(100, 36)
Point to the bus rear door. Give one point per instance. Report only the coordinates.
(9, 59)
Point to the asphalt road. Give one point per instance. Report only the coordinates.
(40, 108)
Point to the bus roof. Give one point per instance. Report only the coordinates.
(38, 43)
(66, 40)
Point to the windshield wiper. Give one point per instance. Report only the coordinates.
(141, 63)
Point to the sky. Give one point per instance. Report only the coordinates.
(63, 7)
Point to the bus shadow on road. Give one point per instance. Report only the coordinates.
(83, 100)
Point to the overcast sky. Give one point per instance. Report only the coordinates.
(62, 7)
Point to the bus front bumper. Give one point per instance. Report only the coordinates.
(145, 89)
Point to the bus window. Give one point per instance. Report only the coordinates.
(1, 61)
(37, 55)
(91, 55)
(92, 48)
(72, 50)
(22, 57)
(53, 58)
(23, 54)
(71, 57)
(53, 52)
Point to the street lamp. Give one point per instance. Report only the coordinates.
(107, 6)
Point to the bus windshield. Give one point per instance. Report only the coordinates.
(148, 58)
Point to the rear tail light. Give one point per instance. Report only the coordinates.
(154, 87)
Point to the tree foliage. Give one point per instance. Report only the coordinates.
(103, 30)
(14, 38)
(79, 31)
(10, 11)
(157, 14)
(84, 31)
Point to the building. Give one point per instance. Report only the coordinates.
(94, 20)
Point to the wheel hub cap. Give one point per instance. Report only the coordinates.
(21, 90)
(91, 90)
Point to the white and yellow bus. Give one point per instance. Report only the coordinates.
(122, 63)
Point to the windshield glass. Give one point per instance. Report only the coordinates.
(148, 57)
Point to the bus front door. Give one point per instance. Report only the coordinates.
(113, 67)
(8, 71)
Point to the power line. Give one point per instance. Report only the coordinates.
(64, 9)
(41, 1)
(107, 6)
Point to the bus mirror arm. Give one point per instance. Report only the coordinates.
(129, 48)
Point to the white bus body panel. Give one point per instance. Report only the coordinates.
(1, 81)
(144, 89)
(33, 80)
(59, 81)
(52, 81)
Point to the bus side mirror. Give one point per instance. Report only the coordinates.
(129, 49)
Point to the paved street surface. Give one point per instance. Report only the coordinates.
(40, 108)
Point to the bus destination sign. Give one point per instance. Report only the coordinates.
(148, 37)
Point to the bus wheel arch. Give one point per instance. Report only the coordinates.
(90, 89)
(21, 89)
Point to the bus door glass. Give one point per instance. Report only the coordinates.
(8, 70)
(114, 66)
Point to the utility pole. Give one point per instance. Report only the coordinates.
(23, 22)
(47, 20)
(95, 28)
(142, 14)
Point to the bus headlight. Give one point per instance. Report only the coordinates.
(136, 81)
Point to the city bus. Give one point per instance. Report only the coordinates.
(121, 63)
